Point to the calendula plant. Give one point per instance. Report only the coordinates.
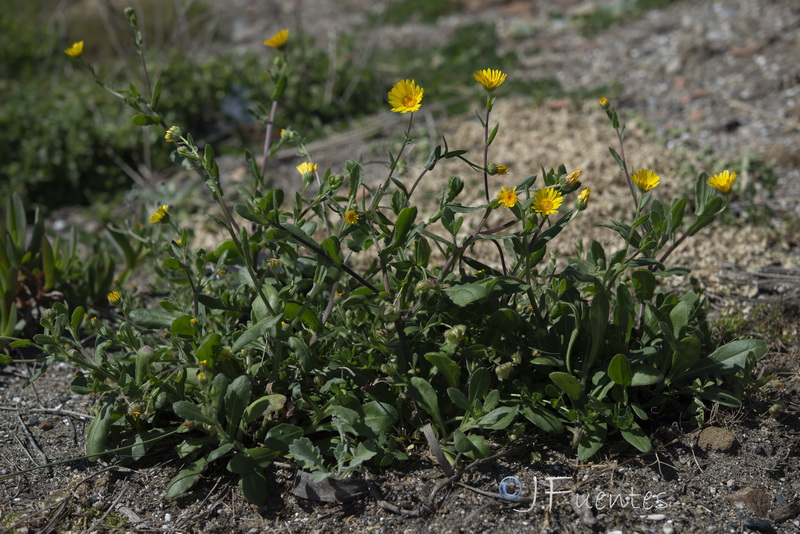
(336, 320)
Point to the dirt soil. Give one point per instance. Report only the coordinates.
(702, 83)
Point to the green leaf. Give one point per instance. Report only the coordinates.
(636, 437)
(77, 319)
(307, 454)
(449, 369)
(683, 358)
(182, 326)
(191, 412)
(644, 284)
(478, 386)
(236, 400)
(48, 263)
(567, 383)
(644, 375)
(291, 310)
(173, 264)
(281, 436)
(97, 432)
(146, 120)
(424, 395)
(617, 158)
(332, 248)
(619, 370)
(593, 435)
(493, 134)
(498, 419)
(264, 407)
(543, 419)
(185, 479)
(380, 416)
(729, 358)
(208, 347)
(473, 447)
(155, 319)
(254, 332)
(402, 227)
(458, 398)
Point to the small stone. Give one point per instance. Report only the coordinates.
(656, 517)
(668, 529)
(758, 524)
(717, 439)
(167, 517)
(760, 450)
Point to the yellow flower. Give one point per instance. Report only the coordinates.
(273, 262)
(494, 168)
(75, 50)
(173, 134)
(307, 167)
(572, 178)
(645, 179)
(547, 200)
(490, 79)
(193, 321)
(603, 101)
(508, 197)
(351, 216)
(114, 297)
(160, 215)
(406, 96)
(278, 40)
(723, 181)
(583, 199)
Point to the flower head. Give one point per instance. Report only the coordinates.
(547, 200)
(723, 181)
(583, 199)
(114, 297)
(160, 215)
(75, 50)
(490, 79)
(405, 96)
(173, 134)
(278, 40)
(307, 170)
(494, 168)
(351, 216)
(507, 197)
(603, 101)
(572, 178)
(645, 179)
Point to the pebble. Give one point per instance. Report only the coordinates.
(167, 517)
(668, 529)
(656, 517)
(758, 524)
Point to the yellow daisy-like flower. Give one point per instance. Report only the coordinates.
(547, 200)
(114, 297)
(307, 167)
(603, 101)
(405, 96)
(75, 50)
(160, 215)
(508, 197)
(583, 196)
(645, 179)
(723, 181)
(490, 79)
(173, 134)
(278, 40)
(351, 217)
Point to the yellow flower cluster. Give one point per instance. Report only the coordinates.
(405, 96)
(351, 216)
(115, 297)
(723, 181)
(645, 179)
(547, 200)
(160, 215)
(490, 79)
(75, 50)
(508, 198)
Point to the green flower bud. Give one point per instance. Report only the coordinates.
(503, 370)
(454, 187)
(494, 168)
(456, 334)
(389, 369)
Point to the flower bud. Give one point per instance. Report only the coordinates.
(495, 168)
(583, 199)
(456, 334)
(173, 134)
(503, 371)
(454, 187)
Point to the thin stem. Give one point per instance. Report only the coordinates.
(267, 137)
(486, 151)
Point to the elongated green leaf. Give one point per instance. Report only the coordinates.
(185, 479)
(236, 400)
(48, 263)
(644, 284)
(151, 318)
(636, 437)
(543, 419)
(263, 407)
(307, 454)
(729, 358)
(458, 398)
(254, 332)
(567, 383)
(619, 370)
(309, 317)
(593, 435)
(380, 416)
(478, 386)
(449, 369)
(145, 120)
(281, 436)
(424, 395)
(97, 432)
(191, 412)
(405, 220)
(498, 419)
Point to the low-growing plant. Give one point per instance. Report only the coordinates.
(338, 320)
